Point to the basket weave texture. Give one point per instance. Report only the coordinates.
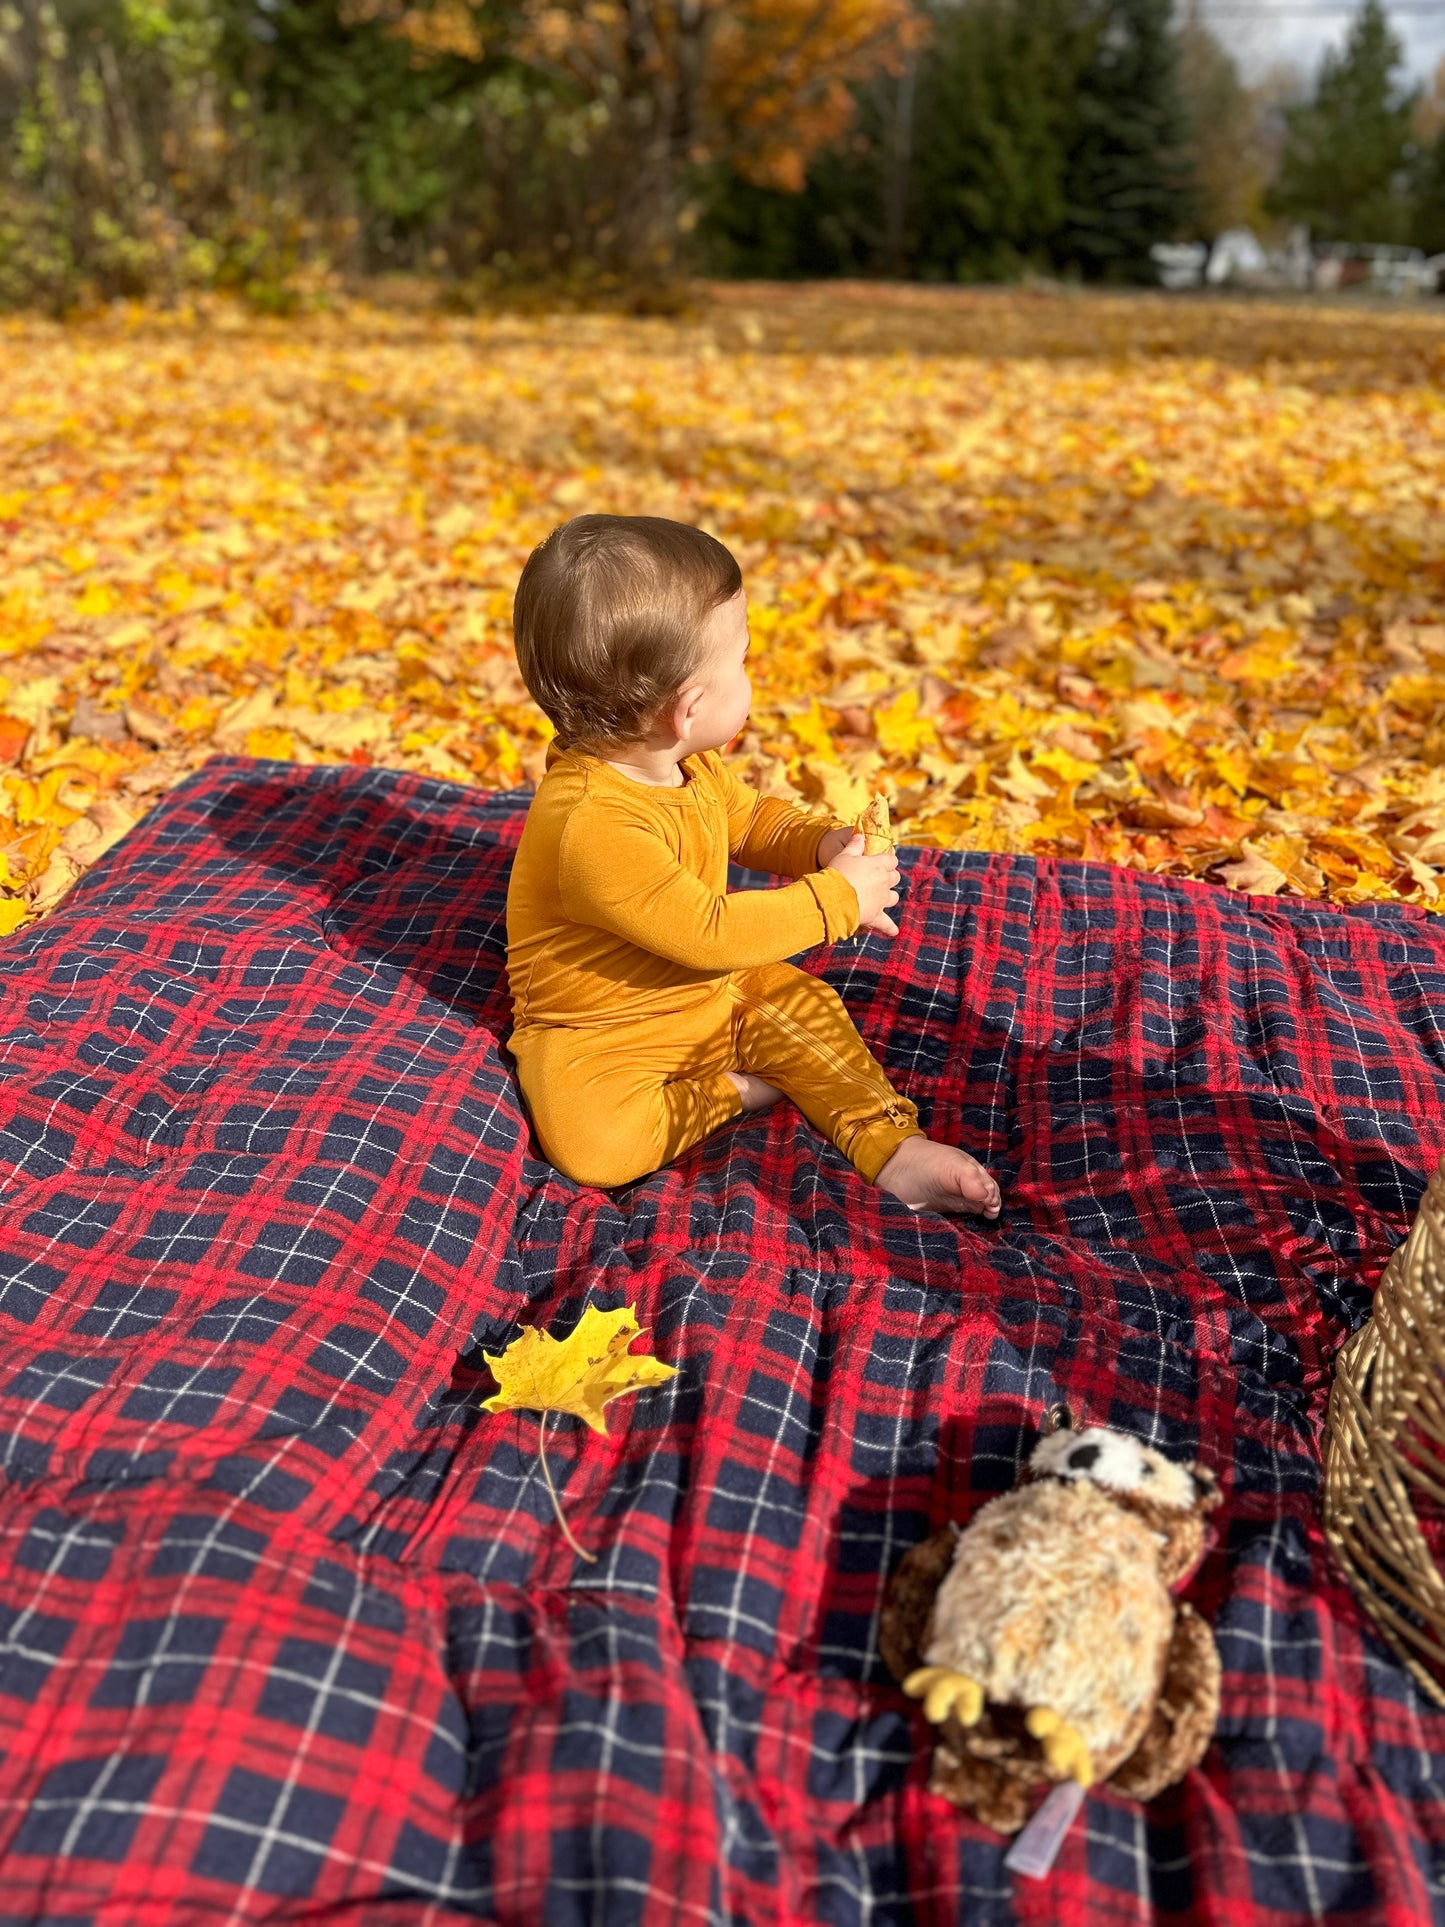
(1385, 1449)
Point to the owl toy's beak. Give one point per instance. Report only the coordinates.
(1206, 1488)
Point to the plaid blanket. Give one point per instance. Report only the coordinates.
(287, 1628)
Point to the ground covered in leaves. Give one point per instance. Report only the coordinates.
(1155, 581)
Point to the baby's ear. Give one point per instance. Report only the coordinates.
(678, 716)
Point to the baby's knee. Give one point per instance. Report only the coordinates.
(787, 988)
(803, 1000)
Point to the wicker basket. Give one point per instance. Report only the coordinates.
(1385, 1449)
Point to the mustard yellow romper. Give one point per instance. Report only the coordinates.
(639, 981)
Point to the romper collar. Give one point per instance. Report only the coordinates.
(683, 797)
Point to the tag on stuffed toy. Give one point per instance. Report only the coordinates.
(874, 825)
(1037, 1847)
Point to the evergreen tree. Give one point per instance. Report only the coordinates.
(991, 153)
(1348, 150)
(1427, 211)
(1130, 174)
(1047, 134)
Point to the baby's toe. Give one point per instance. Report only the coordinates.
(972, 1183)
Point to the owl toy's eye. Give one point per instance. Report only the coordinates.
(1083, 1457)
(1146, 1470)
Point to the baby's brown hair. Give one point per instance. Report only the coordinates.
(607, 621)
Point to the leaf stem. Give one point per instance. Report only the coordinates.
(590, 1557)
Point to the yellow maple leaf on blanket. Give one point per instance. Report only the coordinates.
(580, 1374)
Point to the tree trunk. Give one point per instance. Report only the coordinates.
(898, 166)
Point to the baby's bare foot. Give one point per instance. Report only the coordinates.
(756, 1095)
(937, 1177)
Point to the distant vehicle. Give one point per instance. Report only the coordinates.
(1180, 263)
(1238, 259)
(1378, 264)
(1236, 256)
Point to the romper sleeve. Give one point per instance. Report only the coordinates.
(620, 876)
(765, 833)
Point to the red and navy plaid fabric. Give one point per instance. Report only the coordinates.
(287, 1629)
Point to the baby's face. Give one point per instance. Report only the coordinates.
(728, 695)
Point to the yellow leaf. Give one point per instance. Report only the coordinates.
(1254, 873)
(81, 842)
(1233, 766)
(145, 727)
(901, 728)
(249, 712)
(13, 912)
(89, 837)
(1021, 783)
(811, 732)
(74, 793)
(97, 599)
(1073, 769)
(56, 878)
(31, 699)
(336, 729)
(34, 802)
(1151, 672)
(127, 636)
(437, 760)
(1290, 854)
(580, 1374)
(845, 795)
(78, 755)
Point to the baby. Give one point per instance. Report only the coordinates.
(651, 1005)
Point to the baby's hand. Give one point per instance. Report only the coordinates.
(832, 842)
(874, 880)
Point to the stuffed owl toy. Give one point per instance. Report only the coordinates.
(1043, 1639)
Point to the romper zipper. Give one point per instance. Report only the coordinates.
(891, 1110)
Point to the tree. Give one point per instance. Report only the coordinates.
(1427, 212)
(1130, 179)
(1053, 134)
(1045, 134)
(993, 137)
(672, 86)
(1348, 150)
(837, 223)
(1227, 140)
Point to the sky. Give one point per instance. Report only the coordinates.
(1262, 33)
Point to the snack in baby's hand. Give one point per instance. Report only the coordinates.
(877, 836)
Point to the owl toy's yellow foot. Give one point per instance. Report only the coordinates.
(943, 1692)
(1064, 1745)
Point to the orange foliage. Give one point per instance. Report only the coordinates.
(436, 29)
(779, 72)
(763, 83)
(1170, 594)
